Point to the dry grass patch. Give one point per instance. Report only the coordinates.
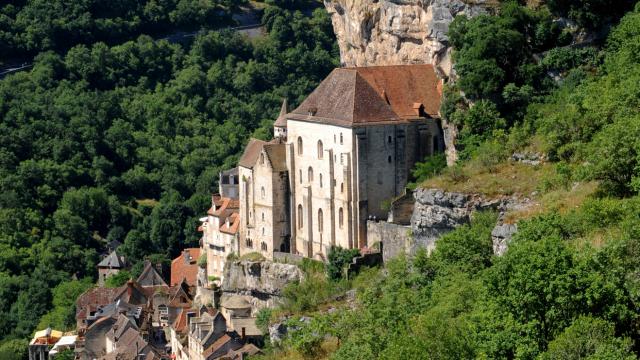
(508, 178)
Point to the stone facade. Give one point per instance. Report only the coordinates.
(220, 234)
(264, 196)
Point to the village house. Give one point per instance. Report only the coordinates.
(220, 234)
(185, 267)
(110, 265)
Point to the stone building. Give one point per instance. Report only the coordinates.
(350, 147)
(264, 197)
(110, 265)
(228, 183)
(220, 234)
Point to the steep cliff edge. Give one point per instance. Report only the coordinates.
(260, 282)
(394, 32)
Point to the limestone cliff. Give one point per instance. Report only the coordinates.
(260, 282)
(393, 32)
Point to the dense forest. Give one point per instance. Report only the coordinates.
(560, 78)
(105, 140)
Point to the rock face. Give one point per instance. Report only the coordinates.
(261, 282)
(394, 32)
(437, 212)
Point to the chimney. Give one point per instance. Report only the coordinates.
(243, 336)
(418, 109)
(129, 289)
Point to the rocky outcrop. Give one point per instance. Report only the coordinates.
(437, 212)
(261, 282)
(393, 32)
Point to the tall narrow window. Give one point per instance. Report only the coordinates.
(299, 145)
(341, 187)
(310, 174)
(320, 178)
(320, 149)
(300, 177)
(262, 216)
(389, 139)
(262, 192)
(320, 220)
(340, 138)
(299, 216)
(340, 217)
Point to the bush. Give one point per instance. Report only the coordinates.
(118, 279)
(431, 166)
(202, 261)
(263, 317)
(339, 258)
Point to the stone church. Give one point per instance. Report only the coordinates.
(337, 159)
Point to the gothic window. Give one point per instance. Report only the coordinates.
(340, 138)
(299, 216)
(300, 172)
(340, 217)
(299, 145)
(320, 178)
(320, 149)
(320, 220)
(310, 174)
(262, 192)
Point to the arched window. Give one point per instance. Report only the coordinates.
(340, 217)
(261, 158)
(262, 216)
(299, 216)
(340, 138)
(320, 149)
(299, 145)
(320, 220)
(262, 231)
(320, 178)
(310, 174)
(341, 187)
(262, 192)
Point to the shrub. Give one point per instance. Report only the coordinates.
(118, 279)
(431, 166)
(339, 258)
(202, 261)
(263, 317)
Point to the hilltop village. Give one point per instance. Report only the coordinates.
(334, 160)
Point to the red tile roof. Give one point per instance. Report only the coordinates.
(184, 268)
(234, 222)
(369, 95)
(92, 299)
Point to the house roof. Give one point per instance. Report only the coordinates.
(251, 152)
(236, 302)
(248, 324)
(369, 95)
(277, 156)
(113, 261)
(185, 267)
(150, 276)
(92, 298)
(221, 204)
(281, 121)
(234, 223)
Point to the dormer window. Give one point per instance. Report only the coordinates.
(312, 111)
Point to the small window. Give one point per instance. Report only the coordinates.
(341, 187)
(340, 138)
(320, 220)
(310, 174)
(340, 218)
(389, 139)
(334, 138)
(262, 216)
(262, 231)
(262, 192)
(261, 158)
(263, 246)
(299, 145)
(300, 216)
(389, 159)
(300, 173)
(320, 178)
(320, 150)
